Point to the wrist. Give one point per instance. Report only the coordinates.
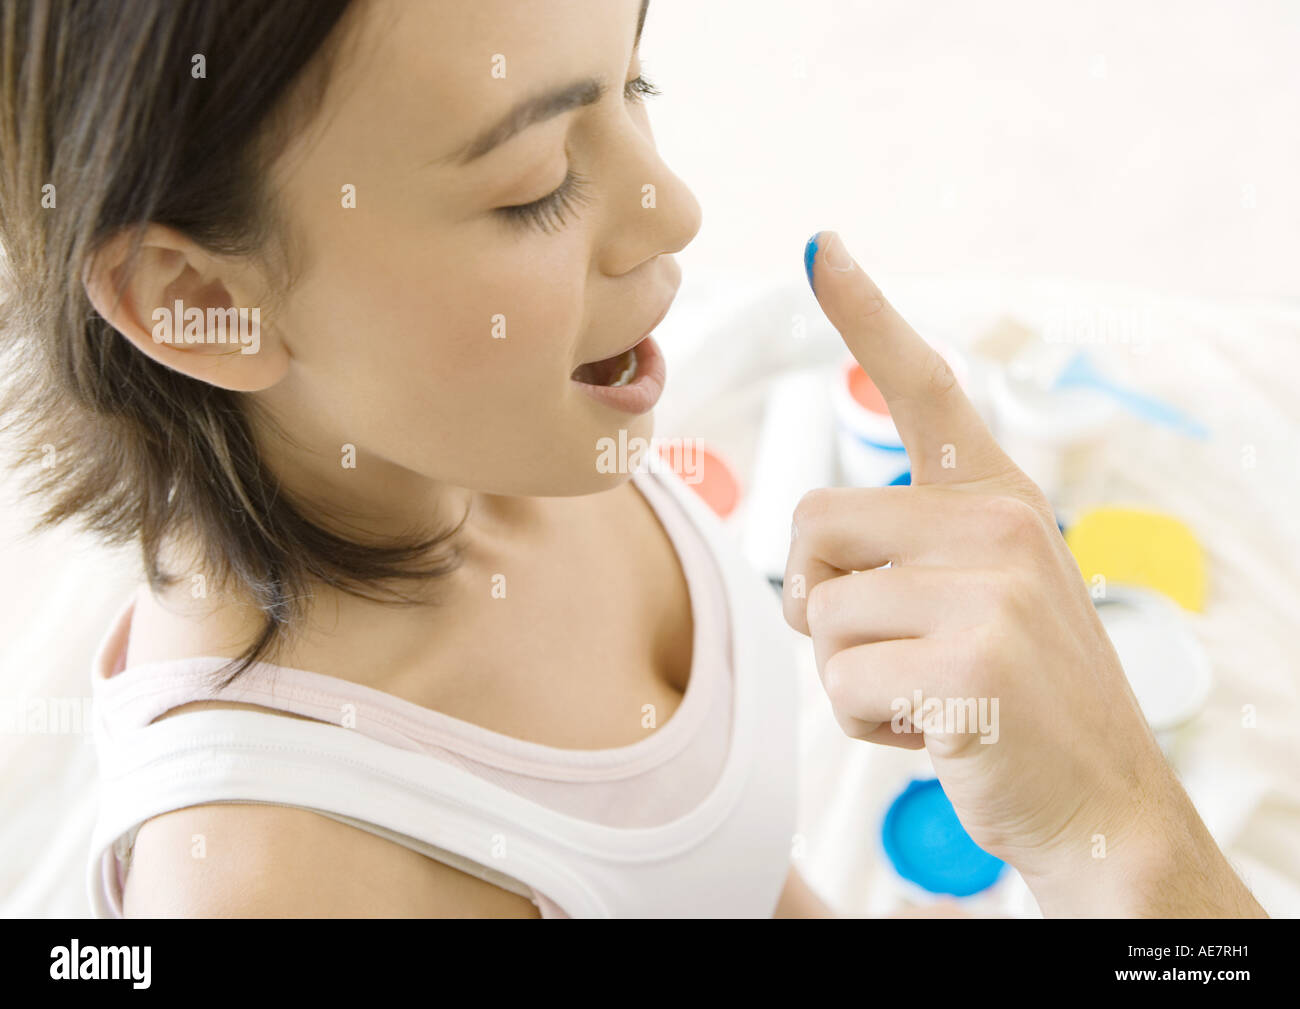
(1107, 874)
(1154, 858)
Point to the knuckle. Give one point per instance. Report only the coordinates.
(1014, 600)
(868, 302)
(1033, 496)
(1013, 519)
(811, 507)
(836, 680)
(852, 727)
(941, 377)
(820, 603)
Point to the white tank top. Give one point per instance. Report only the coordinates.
(695, 820)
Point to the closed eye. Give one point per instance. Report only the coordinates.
(548, 213)
(639, 87)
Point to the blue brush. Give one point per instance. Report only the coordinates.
(1080, 373)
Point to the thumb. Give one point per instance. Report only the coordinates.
(946, 439)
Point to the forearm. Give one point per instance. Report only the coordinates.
(1165, 865)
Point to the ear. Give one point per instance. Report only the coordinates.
(186, 308)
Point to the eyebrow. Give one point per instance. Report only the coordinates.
(539, 108)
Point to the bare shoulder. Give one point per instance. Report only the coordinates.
(251, 860)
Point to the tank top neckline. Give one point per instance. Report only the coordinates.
(429, 724)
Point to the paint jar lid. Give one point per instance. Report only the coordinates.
(711, 476)
(1058, 417)
(1166, 665)
(860, 409)
(929, 847)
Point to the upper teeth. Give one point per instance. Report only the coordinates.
(628, 373)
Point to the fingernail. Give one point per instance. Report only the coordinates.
(835, 254)
(809, 254)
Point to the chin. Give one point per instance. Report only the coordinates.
(603, 458)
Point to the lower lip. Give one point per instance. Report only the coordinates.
(643, 392)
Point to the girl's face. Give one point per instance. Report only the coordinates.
(433, 329)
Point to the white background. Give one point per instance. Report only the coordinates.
(1146, 142)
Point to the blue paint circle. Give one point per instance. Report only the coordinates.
(928, 845)
(904, 479)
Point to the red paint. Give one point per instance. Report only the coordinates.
(864, 391)
(717, 486)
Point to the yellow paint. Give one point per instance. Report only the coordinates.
(1146, 548)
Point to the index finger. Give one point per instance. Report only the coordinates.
(946, 439)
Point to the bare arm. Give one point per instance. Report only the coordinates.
(248, 860)
(799, 901)
(261, 861)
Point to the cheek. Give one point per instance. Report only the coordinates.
(489, 341)
(453, 363)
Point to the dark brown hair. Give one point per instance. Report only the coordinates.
(97, 99)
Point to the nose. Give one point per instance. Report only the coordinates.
(652, 211)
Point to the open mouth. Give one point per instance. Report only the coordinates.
(611, 372)
(631, 381)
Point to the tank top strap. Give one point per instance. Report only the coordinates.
(237, 756)
(128, 702)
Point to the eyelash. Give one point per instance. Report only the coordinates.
(548, 213)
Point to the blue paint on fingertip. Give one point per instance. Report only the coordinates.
(809, 254)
